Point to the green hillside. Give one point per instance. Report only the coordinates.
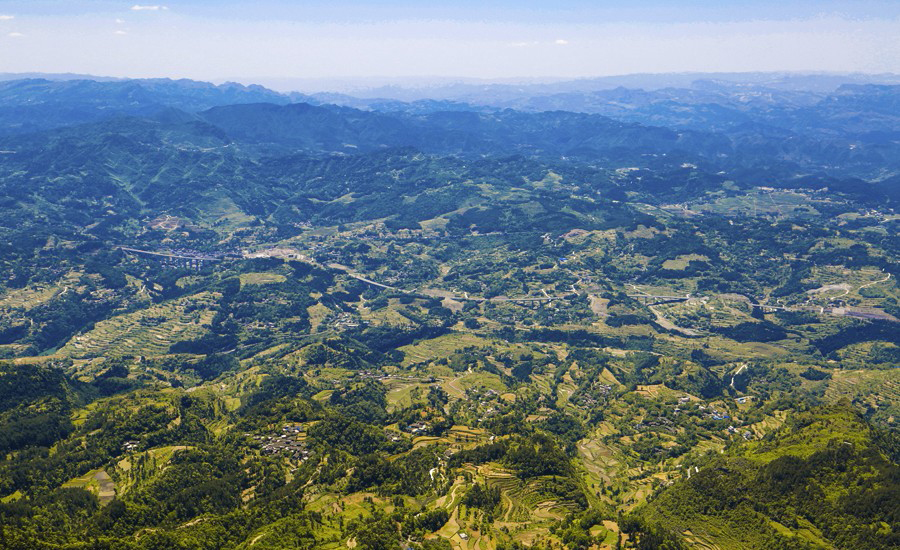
(826, 479)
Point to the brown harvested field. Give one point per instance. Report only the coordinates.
(599, 305)
(166, 222)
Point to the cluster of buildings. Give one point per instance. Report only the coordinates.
(712, 414)
(288, 442)
(378, 375)
(418, 428)
(747, 434)
(346, 320)
(482, 395)
(660, 423)
(588, 400)
(487, 401)
(681, 401)
(716, 415)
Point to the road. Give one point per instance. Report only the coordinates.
(464, 297)
(740, 370)
(168, 255)
(667, 324)
(867, 285)
(459, 298)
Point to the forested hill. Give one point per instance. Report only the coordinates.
(329, 128)
(36, 104)
(826, 479)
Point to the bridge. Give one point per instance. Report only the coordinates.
(657, 298)
(766, 306)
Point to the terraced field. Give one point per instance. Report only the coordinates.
(682, 261)
(98, 482)
(841, 283)
(317, 314)
(24, 299)
(598, 459)
(224, 215)
(453, 496)
(699, 541)
(465, 434)
(402, 394)
(768, 424)
(150, 331)
(864, 354)
(701, 313)
(459, 437)
(879, 390)
(524, 501)
(27, 298)
(461, 532)
(758, 202)
(440, 347)
(261, 278)
(456, 387)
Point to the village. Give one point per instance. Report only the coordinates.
(290, 442)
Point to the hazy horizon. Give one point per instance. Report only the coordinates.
(275, 39)
(445, 87)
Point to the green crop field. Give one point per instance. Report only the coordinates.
(150, 331)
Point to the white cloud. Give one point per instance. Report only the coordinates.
(120, 21)
(15, 35)
(138, 7)
(120, 33)
(559, 42)
(7, 17)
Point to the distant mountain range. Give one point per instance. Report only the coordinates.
(853, 131)
(411, 89)
(29, 105)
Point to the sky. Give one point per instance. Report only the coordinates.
(506, 39)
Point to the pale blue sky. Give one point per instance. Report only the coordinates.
(208, 39)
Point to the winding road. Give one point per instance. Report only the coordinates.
(739, 371)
